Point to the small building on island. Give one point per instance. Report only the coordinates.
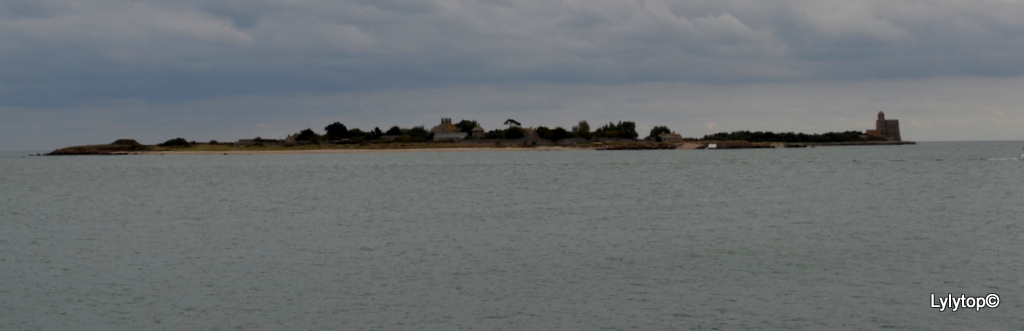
(446, 131)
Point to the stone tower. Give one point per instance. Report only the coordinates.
(890, 129)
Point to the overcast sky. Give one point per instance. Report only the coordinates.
(92, 71)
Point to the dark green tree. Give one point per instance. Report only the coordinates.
(394, 131)
(495, 134)
(582, 130)
(307, 135)
(621, 130)
(629, 130)
(357, 135)
(514, 132)
(336, 131)
(176, 142)
(657, 130)
(543, 132)
(511, 122)
(558, 134)
(466, 126)
(417, 133)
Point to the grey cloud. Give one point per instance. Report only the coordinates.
(242, 14)
(22, 9)
(67, 52)
(400, 6)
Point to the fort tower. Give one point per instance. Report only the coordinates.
(889, 129)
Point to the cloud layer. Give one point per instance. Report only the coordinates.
(74, 55)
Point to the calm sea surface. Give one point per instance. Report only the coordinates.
(813, 239)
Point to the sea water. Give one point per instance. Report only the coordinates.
(812, 238)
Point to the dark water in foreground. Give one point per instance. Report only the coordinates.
(821, 238)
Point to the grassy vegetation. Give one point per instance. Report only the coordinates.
(100, 149)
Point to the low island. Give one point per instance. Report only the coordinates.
(468, 135)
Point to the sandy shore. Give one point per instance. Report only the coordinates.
(99, 150)
(358, 151)
(118, 150)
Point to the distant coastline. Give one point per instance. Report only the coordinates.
(221, 149)
(468, 135)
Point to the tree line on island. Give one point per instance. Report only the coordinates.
(341, 134)
(790, 137)
(338, 132)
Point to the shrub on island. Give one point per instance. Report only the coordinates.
(176, 142)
